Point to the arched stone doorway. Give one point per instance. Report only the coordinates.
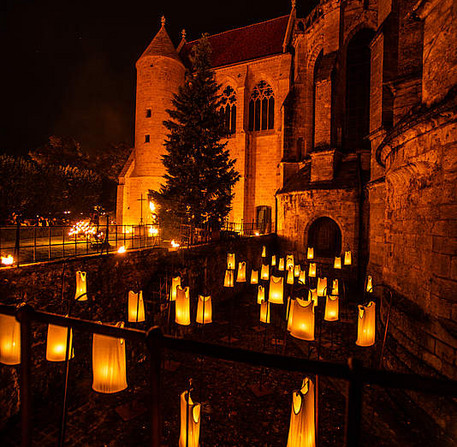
(324, 236)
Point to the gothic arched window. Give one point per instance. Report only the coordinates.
(228, 109)
(262, 107)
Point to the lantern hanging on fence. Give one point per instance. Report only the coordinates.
(297, 270)
(347, 258)
(302, 428)
(302, 326)
(265, 272)
(290, 262)
(369, 287)
(136, 307)
(273, 261)
(276, 290)
(81, 286)
(56, 343)
(182, 315)
(264, 252)
(331, 308)
(335, 288)
(321, 286)
(260, 294)
(228, 280)
(241, 275)
(290, 312)
(310, 254)
(366, 330)
(290, 275)
(175, 282)
(281, 264)
(108, 363)
(312, 270)
(10, 340)
(254, 276)
(190, 422)
(230, 261)
(337, 263)
(204, 310)
(302, 277)
(265, 312)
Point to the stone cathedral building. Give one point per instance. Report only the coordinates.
(343, 125)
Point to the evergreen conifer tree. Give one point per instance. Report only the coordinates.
(199, 172)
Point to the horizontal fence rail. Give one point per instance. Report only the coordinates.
(356, 375)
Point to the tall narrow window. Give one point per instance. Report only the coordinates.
(262, 107)
(148, 113)
(146, 138)
(228, 110)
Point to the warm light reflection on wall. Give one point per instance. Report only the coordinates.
(10, 340)
(204, 310)
(276, 290)
(302, 326)
(366, 331)
(136, 312)
(56, 343)
(182, 315)
(190, 422)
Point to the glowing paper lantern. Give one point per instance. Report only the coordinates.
(136, 307)
(56, 343)
(10, 340)
(310, 254)
(347, 258)
(366, 325)
(321, 286)
(81, 286)
(281, 264)
(312, 270)
(302, 428)
(337, 262)
(254, 277)
(369, 287)
(265, 272)
(204, 310)
(335, 287)
(302, 326)
(276, 290)
(265, 312)
(190, 422)
(241, 275)
(182, 316)
(230, 261)
(264, 252)
(108, 364)
(290, 276)
(260, 294)
(331, 308)
(290, 262)
(228, 280)
(290, 312)
(273, 261)
(175, 282)
(297, 271)
(302, 277)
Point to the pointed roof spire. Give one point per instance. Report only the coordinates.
(161, 45)
(183, 33)
(163, 20)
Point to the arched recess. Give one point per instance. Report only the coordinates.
(357, 107)
(324, 235)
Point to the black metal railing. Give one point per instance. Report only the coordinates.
(352, 372)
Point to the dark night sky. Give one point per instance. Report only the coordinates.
(68, 67)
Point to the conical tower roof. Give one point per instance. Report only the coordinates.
(161, 45)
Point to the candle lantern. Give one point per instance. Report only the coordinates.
(190, 422)
(290, 262)
(302, 326)
(302, 428)
(136, 307)
(265, 312)
(331, 308)
(281, 264)
(302, 277)
(241, 276)
(56, 343)
(254, 276)
(290, 275)
(321, 286)
(297, 270)
(310, 254)
(81, 286)
(260, 294)
(108, 364)
(347, 258)
(273, 261)
(175, 282)
(265, 272)
(312, 270)
(290, 312)
(276, 290)
(228, 280)
(204, 310)
(369, 287)
(182, 315)
(10, 340)
(337, 263)
(264, 252)
(230, 261)
(366, 331)
(335, 288)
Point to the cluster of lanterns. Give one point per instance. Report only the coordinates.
(82, 228)
(7, 260)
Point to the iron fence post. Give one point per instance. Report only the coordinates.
(354, 404)
(154, 344)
